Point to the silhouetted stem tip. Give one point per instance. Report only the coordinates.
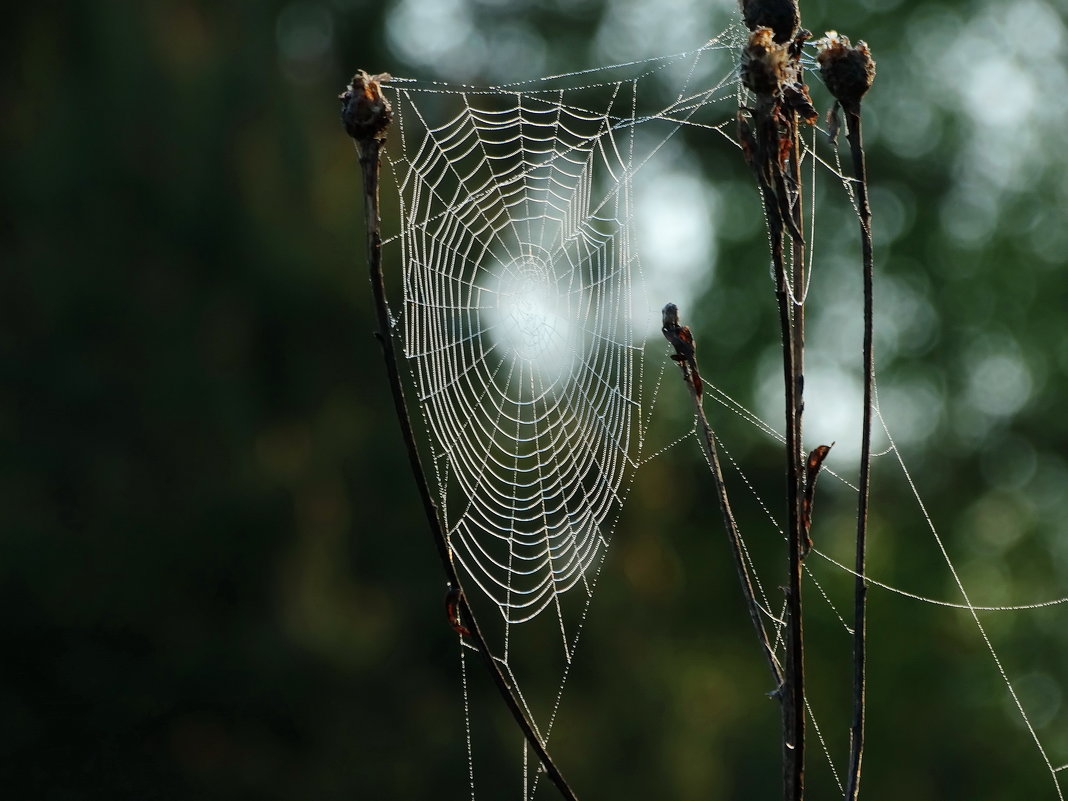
(365, 112)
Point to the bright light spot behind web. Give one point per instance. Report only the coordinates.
(538, 314)
(675, 229)
(531, 318)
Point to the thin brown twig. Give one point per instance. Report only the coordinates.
(794, 695)
(369, 140)
(792, 690)
(848, 73)
(684, 348)
(856, 751)
(795, 474)
(791, 696)
(770, 68)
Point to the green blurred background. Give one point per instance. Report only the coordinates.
(215, 580)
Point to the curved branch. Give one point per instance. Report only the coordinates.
(684, 353)
(369, 150)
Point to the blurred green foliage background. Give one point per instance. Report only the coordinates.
(215, 580)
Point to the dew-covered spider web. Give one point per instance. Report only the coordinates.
(522, 293)
(529, 321)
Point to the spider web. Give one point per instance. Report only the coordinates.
(524, 323)
(521, 287)
(519, 338)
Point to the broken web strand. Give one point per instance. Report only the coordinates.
(836, 171)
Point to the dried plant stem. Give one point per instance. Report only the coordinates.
(708, 444)
(797, 260)
(848, 73)
(793, 371)
(793, 700)
(370, 160)
(792, 695)
(856, 749)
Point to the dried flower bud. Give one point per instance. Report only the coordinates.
(847, 71)
(782, 16)
(765, 64)
(365, 112)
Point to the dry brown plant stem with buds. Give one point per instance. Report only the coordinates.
(366, 115)
(848, 73)
(771, 70)
(769, 136)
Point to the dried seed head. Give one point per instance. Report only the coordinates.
(765, 64)
(848, 71)
(782, 16)
(365, 112)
